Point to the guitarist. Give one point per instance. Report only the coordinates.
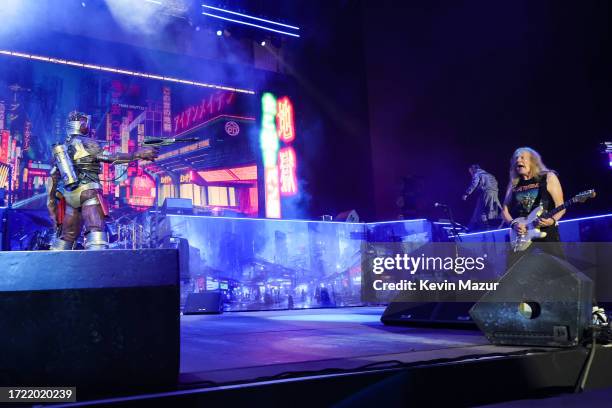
(533, 184)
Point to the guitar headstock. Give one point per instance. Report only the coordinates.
(585, 195)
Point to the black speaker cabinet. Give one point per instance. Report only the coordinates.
(103, 321)
(541, 301)
(203, 303)
(177, 206)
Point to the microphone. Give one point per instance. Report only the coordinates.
(440, 205)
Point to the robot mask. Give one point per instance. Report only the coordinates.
(78, 125)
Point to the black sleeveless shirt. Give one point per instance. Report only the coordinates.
(529, 194)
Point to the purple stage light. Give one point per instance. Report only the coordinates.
(250, 24)
(250, 17)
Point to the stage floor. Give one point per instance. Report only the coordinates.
(249, 346)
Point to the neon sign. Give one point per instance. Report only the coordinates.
(27, 135)
(167, 121)
(286, 156)
(142, 191)
(284, 120)
(186, 178)
(4, 146)
(195, 115)
(280, 164)
(268, 141)
(273, 208)
(287, 165)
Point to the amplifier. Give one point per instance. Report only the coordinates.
(177, 206)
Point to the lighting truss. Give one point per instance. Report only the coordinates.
(240, 18)
(122, 71)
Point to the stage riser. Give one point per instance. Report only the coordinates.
(120, 333)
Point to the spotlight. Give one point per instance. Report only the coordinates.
(219, 33)
(263, 43)
(83, 4)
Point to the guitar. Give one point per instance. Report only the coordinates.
(521, 242)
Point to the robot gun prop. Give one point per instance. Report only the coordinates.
(167, 141)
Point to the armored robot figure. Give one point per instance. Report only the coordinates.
(74, 189)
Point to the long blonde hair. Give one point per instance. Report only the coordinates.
(537, 166)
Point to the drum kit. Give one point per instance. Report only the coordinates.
(126, 233)
(123, 233)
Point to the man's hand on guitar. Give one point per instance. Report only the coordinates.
(520, 229)
(546, 222)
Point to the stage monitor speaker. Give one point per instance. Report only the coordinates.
(203, 303)
(177, 206)
(540, 301)
(106, 322)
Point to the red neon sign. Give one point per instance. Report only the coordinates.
(287, 168)
(195, 115)
(4, 146)
(37, 172)
(284, 120)
(142, 191)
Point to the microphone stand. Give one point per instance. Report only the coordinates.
(449, 212)
(456, 237)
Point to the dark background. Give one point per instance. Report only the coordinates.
(456, 82)
(426, 88)
(385, 89)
